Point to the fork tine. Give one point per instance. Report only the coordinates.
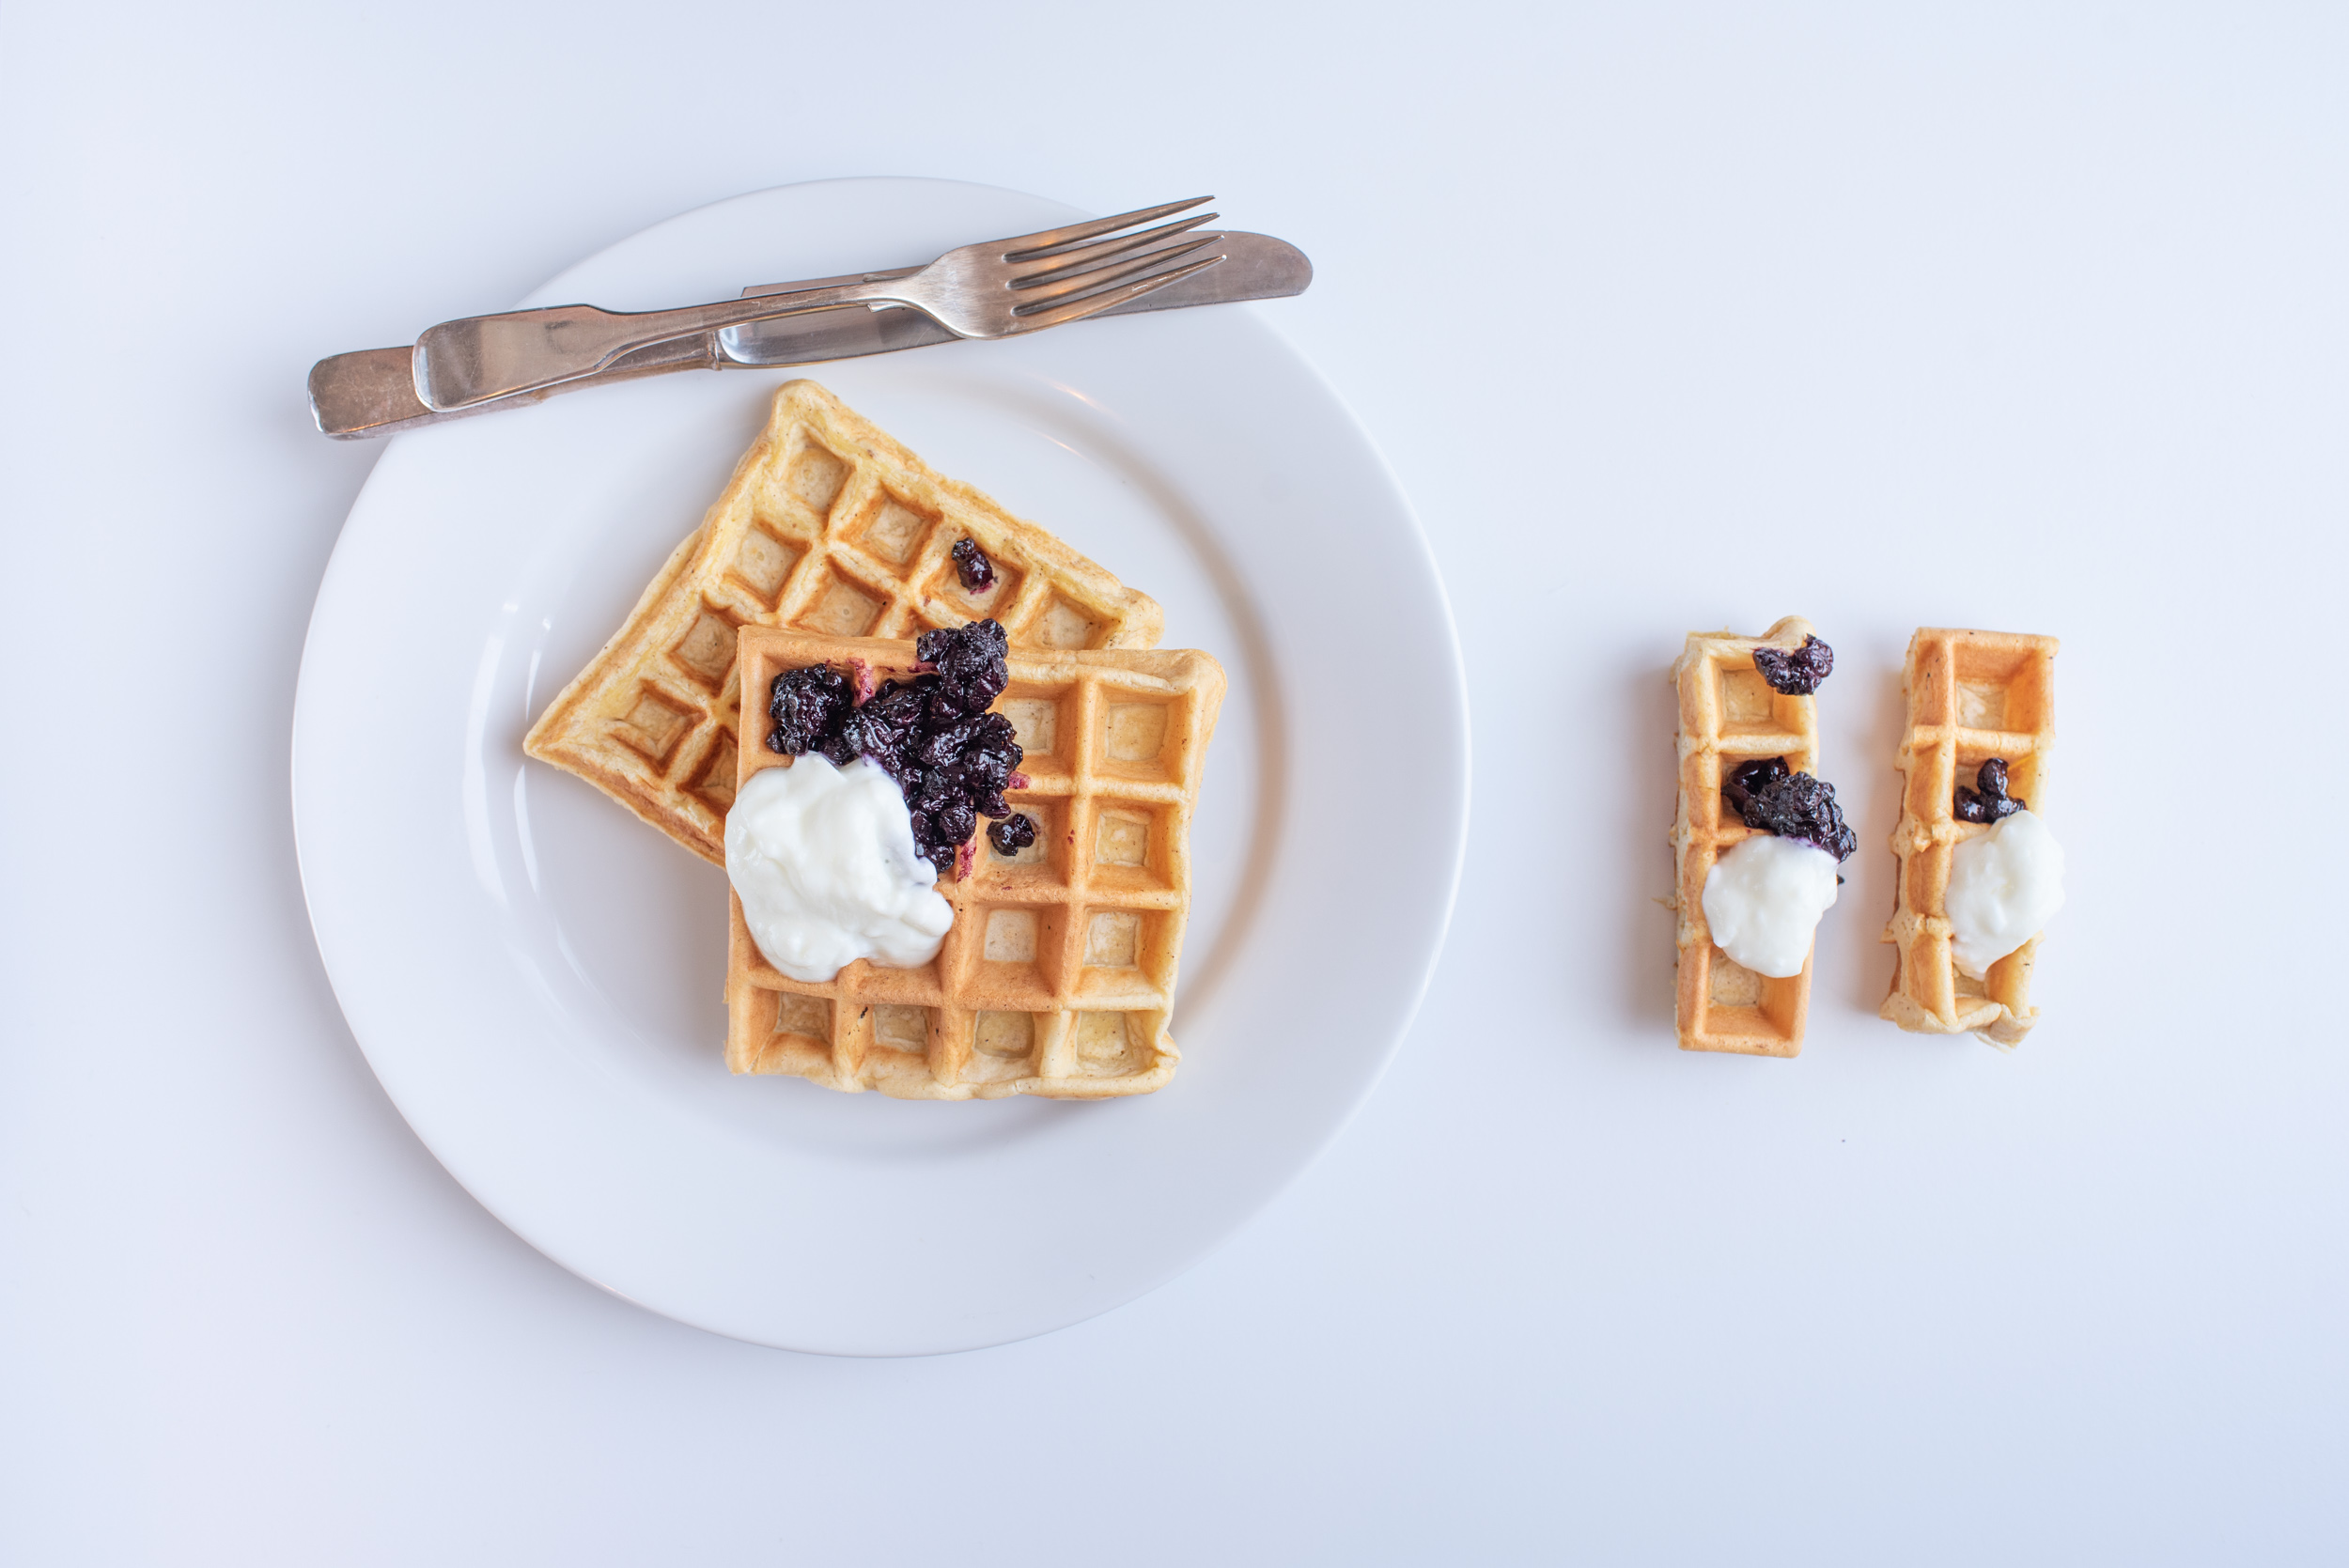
(1026, 246)
(1038, 316)
(1067, 263)
(1117, 271)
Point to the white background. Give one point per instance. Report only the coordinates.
(1666, 318)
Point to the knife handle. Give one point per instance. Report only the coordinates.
(489, 359)
(372, 392)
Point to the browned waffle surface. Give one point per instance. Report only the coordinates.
(1730, 715)
(831, 526)
(1058, 975)
(1971, 696)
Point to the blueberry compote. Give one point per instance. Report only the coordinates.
(807, 705)
(1988, 801)
(972, 567)
(933, 733)
(1792, 805)
(1012, 834)
(1796, 673)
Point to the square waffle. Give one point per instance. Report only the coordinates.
(831, 526)
(1058, 975)
(1729, 715)
(1971, 696)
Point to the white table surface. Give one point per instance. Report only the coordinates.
(2032, 321)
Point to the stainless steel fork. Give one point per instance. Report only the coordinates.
(995, 288)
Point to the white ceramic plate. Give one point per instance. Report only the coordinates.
(536, 976)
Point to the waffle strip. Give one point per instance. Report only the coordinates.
(1729, 715)
(1971, 696)
(831, 526)
(1059, 972)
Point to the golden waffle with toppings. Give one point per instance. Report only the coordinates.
(831, 527)
(1972, 696)
(1058, 973)
(1730, 715)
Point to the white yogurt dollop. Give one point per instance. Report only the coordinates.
(823, 859)
(2003, 885)
(1763, 899)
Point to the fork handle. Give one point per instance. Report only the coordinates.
(480, 358)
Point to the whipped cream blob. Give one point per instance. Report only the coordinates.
(1764, 898)
(2003, 885)
(823, 861)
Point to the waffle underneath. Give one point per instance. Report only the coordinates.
(830, 526)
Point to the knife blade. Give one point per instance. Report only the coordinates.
(372, 392)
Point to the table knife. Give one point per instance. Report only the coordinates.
(372, 392)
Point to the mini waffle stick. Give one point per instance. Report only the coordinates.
(1972, 695)
(831, 526)
(1729, 715)
(1058, 975)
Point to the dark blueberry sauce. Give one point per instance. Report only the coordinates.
(971, 564)
(1012, 834)
(950, 757)
(1768, 797)
(1796, 674)
(1988, 801)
